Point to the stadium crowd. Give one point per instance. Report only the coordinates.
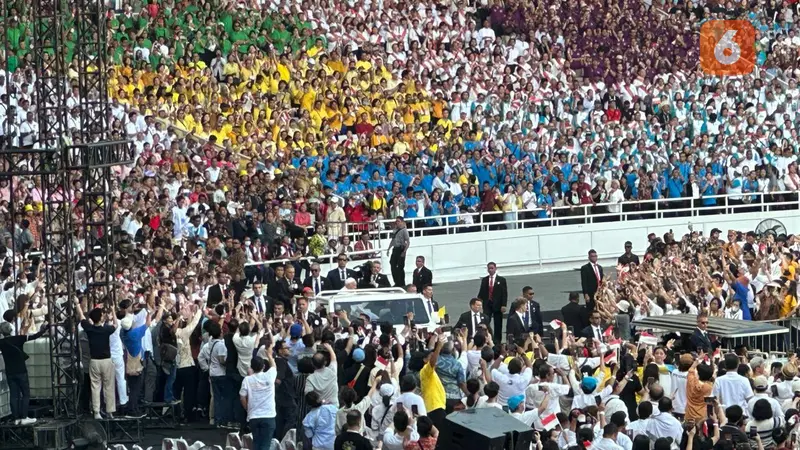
(741, 276)
(275, 130)
(323, 113)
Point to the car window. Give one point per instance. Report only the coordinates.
(392, 311)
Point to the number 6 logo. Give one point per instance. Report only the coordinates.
(727, 47)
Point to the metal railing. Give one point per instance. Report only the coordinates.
(774, 344)
(558, 216)
(598, 213)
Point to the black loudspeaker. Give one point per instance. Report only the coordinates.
(484, 429)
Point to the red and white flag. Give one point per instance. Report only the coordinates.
(616, 343)
(648, 339)
(610, 357)
(549, 422)
(555, 324)
(609, 331)
(716, 353)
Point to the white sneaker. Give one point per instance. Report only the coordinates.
(16, 422)
(27, 421)
(97, 416)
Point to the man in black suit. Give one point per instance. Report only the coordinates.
(262, 303)
(516, 319)
(218, 292)
(595, 328)
(287, 288)
(273, 283)
(534, 311)
(494, 292)
(591, 276)
(340, 274)
(312, 319)
(422, 275)
(574, 314)
(472, 319)
(315, 281)
(375, 279)
(431, 305)
(700, 338)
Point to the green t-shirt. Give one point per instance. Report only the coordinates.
(280, 39)
(162, 31)
(180, 51)
(13, 62)
(227, 22)
(14, 36)
(241, 35)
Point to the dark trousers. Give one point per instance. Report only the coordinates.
(186, 384)
(203, 390)
(437, 417)
(450, 404)
(222, 404)
(232, 396)
(263, 430)
(497, 323)
(150, 372)
(20, 394)
(135, 386)
(285, 421)
(398, 264)
(85, 395)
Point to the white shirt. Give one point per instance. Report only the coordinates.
(733, 389)
(605, 444)
(638, 427)
(511, 385)
(665, 425)
(679, 391)
(777, 411)
(261, 303)
(115, 343)
(259, 389)
(581, 400)
(527, 417)
(624, 441)
(212, 357)
(394, 441)
(244, 348)
(614, 404)
(409, 399)
(534, 397)
(316, 285)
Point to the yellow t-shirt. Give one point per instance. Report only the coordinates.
(789, 303)
(432, 389)
(792, 268)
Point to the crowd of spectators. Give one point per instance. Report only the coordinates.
(740, 276)
(275, 130)
(314, 113)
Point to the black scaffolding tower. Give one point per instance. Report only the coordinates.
(70, 155)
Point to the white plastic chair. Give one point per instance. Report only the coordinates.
(168, 444)
(288, 442)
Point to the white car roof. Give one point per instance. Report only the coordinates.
(351, 297)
